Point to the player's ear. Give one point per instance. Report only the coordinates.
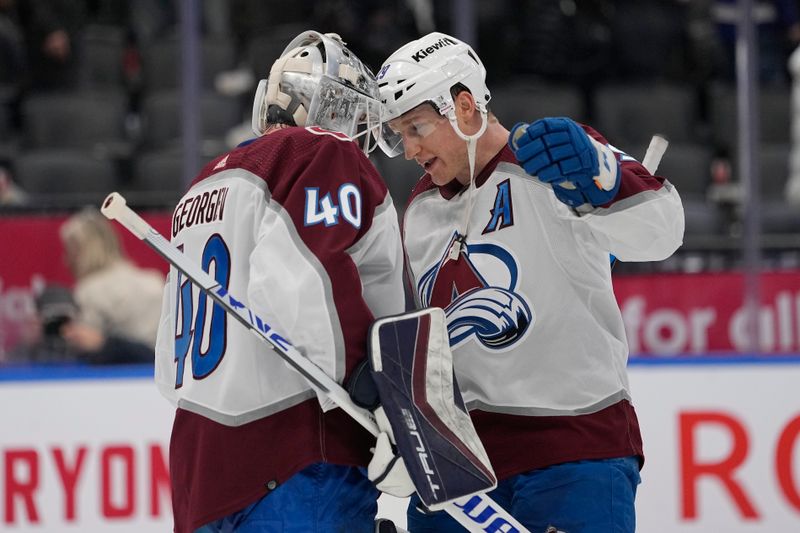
(466, 112)
(465, 104)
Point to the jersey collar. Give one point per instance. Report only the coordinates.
(454, 187)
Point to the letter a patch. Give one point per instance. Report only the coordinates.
(503, 211)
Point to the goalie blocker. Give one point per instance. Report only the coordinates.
(413, 371)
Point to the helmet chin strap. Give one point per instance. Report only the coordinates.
(472, 144)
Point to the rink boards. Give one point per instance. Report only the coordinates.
(86, 449)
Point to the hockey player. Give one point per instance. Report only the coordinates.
(511, 233)
(300, 222)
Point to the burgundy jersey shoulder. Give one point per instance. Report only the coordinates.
(311, 173)
(286, 152)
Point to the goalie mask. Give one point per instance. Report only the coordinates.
(317, 81)
(424, 71)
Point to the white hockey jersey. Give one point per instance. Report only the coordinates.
(538, 339)
(299, 225)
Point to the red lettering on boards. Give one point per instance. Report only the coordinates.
(26, 471)
(17, 488)
(692, 470)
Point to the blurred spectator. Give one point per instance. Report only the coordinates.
(114, 295)
(10, 193)
(60, 337)
(778, 33)
(51, 29)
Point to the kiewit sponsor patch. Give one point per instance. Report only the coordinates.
(425, 52)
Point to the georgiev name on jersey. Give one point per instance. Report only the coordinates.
(202, 208)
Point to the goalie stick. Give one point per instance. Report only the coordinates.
(655, 151)
(476, 513)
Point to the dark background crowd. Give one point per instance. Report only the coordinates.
(91, 100)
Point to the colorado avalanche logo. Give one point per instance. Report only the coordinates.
(477, 294)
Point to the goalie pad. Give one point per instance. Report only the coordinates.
(413, 371)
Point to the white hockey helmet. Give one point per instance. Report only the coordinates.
(317, 81)
(425, 70)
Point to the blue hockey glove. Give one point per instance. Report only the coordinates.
(559, 152)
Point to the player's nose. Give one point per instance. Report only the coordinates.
(410, 148)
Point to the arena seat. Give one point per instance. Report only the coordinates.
(629, 114)
(161, 63)
(90, 120)
(531, 100)
(161, 120)
(65, 176)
